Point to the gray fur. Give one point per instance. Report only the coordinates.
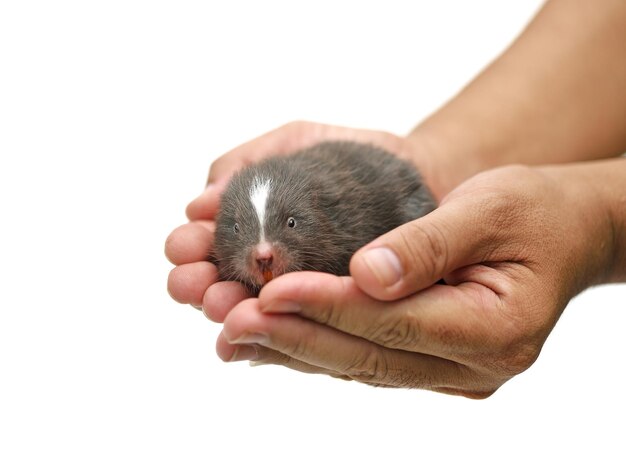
(342, 195)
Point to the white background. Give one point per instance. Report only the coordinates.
(110, 114)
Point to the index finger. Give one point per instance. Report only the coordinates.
(281, 141)
(443, 321)
(285, 139)
(205, 206)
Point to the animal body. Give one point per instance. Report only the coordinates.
(312, 210)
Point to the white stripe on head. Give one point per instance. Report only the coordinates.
(258, 196)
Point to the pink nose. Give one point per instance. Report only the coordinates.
(264, 262)
(263, 254)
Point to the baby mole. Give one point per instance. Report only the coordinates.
(312, 210)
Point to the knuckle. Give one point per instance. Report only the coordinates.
(369, 367)
(520, 341)
(513, 359)
(509, 350)
(396, 331)
(295, 128)
(265, 355)
(430, 260)
(301, 348)
(329, 315)
(331, 312)
(217, 167)
(519, 358)
(295, 125)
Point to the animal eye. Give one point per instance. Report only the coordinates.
(291, 222)
(236, 228)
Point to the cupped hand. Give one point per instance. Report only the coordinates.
(194, 279)
(513, 245)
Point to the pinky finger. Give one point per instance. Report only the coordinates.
(260, 355)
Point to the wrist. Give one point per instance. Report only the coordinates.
(595, 196)
(610, 182)
(451, 152)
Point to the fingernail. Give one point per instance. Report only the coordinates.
(261, 339)
(384, 264)
(244, 353)
(282, 306)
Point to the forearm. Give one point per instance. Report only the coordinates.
(557, 95)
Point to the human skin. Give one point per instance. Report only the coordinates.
(514, 245)
(504, 240)
(556, 95)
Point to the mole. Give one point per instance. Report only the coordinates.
(311, 210)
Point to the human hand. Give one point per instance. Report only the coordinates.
(514, 246)
(194, 279)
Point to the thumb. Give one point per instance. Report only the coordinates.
(418, 254)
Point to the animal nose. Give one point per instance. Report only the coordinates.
(265, 266)
(265, 261)
(264, 255)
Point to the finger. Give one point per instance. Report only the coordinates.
(354, 357)
(416, 255)
(260, 355)
(283, 140)
(187, 283)
(292, 137)
(444, 321)
(280, 141)
(286, 139)
(190, 242)
(206, 205)
(241, 352)
(221, 297)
